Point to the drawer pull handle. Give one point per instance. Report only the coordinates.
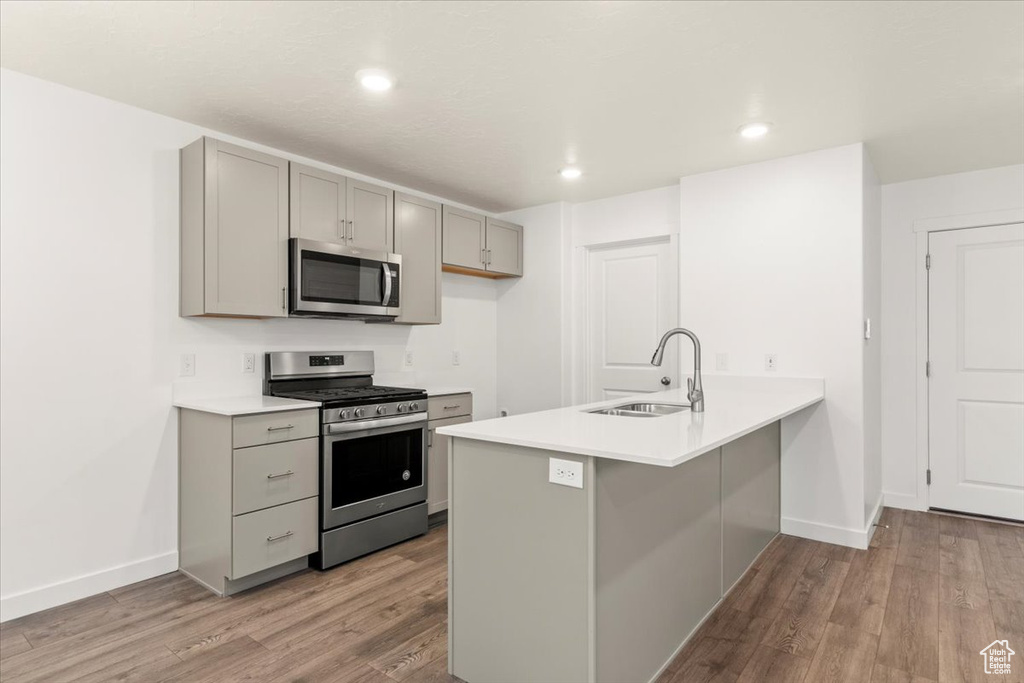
(278, 538)
(452, 407)
(278, 429)
(282, 474)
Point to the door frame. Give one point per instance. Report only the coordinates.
(923, 228)
(580, 380)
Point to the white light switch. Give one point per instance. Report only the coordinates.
(188, 365)
(565, 472)
(456, 358)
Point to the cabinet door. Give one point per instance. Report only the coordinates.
(317, 204)
(371, 216)
(463, 243)
(504, 247)
(437, 464)
(246, 236)
(418, 240)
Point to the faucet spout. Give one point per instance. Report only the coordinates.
(695, 393)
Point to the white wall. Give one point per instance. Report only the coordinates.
(771, 262)
(90, 340)
(872, 348)
(531, 315)
(634, 216)
(902, 204)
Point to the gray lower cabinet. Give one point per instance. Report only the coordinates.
(328, 207)
(247, 505)
(444, 410)
(478, 245)
(418, 240)
(234, 231)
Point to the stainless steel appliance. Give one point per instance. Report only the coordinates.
(332, 280)
(373, 450)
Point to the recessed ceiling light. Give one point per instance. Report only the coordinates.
(755, 130)
(376, 80)
(570, 173)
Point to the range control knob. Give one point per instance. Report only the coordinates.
(414, 407)
(402, 407)
(360, 412)
(382, 410)
(345, 414)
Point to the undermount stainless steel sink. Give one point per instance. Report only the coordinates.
(642, 409)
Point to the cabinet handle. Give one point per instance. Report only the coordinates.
(350, 231)
(452, 407)
(483, 256)
(342, 233)
(430, 438)
(278, 538)
(282, 298)
(278, 429)
(489, 259)
(278, 476)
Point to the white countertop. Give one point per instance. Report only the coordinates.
(445, 391)
(244, 405)
(734, 406)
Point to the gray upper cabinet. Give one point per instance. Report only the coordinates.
(318, 204)
(464, 235)
(504, 247)
(234, 231)
(328, 207)
(482, 246)
(371, 216)
(418, 240)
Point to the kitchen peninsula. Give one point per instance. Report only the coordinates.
(604, 578)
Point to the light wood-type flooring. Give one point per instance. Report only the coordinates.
(916, 607)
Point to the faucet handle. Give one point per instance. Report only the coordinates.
(689, 385)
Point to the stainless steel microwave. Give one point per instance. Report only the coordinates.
(331, 280)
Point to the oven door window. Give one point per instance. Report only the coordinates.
(337, 279)
(375, 465)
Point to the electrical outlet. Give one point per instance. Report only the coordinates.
(770, 361)
(408, 359)
(565, 472)
(188, 365)
(456, 358)
(721, 361)
(248, 362)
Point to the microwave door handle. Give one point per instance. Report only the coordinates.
(387, 284)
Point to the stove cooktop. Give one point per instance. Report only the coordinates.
(338, 396)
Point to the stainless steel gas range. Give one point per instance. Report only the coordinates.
(373, 449)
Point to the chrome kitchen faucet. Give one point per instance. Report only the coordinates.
(695, 392)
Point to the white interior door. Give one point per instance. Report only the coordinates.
(632, 292)
(976, 384)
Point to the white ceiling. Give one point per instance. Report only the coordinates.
(493, 98)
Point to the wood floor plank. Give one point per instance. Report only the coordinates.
(68, 620)
(963, 592)
(1004, 570)
(710, 661)
(846, 655)
(957, 526)
(888, 537)
(765, 594)
(919, 548)
(801, 622)
(928, 521)
(720, 650)
(883, 674)
(1008, 616)
(768, 665)
(962, 635)
(12, 643)
(909, 639)
(406, 659)
(960, 557)
(865, 592)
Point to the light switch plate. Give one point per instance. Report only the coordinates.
(565, 472)
(771, 361)
(408, 359)
(456, 358)
(188, 365)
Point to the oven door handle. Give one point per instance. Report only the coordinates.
(387, 284)
(367, 425)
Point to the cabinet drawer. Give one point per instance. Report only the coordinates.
(264, 476)
(273, 536)
(257, 430)
(456, 405)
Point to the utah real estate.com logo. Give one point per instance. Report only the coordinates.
(997, 657)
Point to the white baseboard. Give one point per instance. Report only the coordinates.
(827, 533)
(902, 501)
(63, 592)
